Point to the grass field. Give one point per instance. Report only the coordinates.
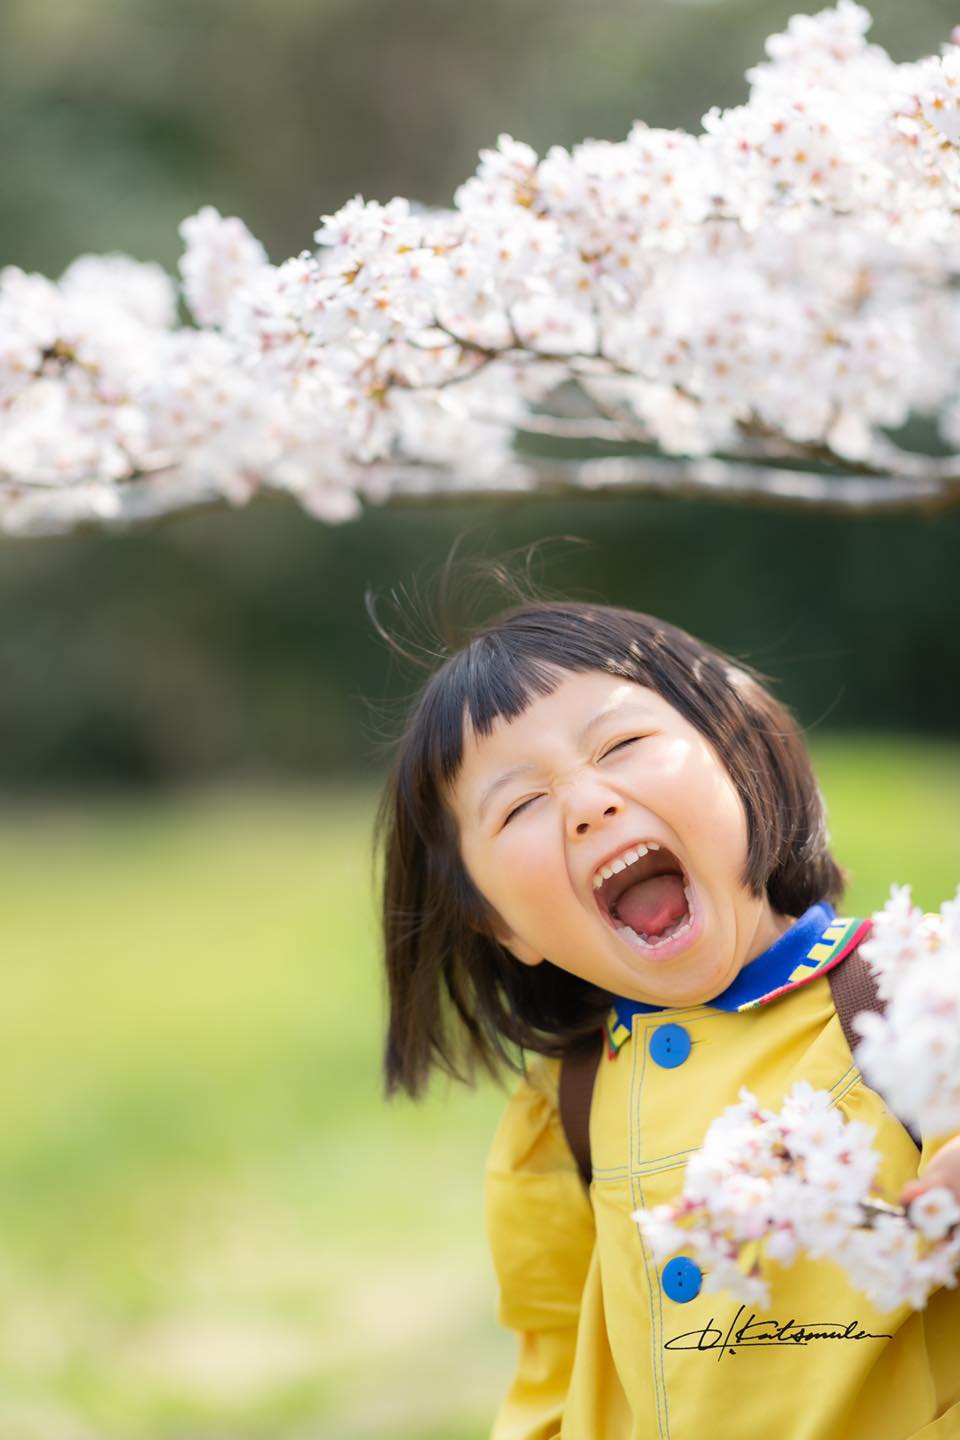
(211, 1225)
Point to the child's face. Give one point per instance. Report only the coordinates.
(580, 779)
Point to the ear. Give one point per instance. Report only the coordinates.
(486, 921)
(518, 948)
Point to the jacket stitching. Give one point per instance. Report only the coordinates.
(608, 1174)
(651, 1273)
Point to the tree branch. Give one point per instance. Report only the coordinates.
(934, 487)
(694, 479)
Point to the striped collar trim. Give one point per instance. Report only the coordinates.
(815, 942)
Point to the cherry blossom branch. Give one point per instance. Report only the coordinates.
(168, 491)
(762, 305)
(712, 478)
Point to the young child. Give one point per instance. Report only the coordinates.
(596, 822)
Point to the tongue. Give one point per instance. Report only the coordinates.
(651, 905)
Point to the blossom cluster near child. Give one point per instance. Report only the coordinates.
(604, 838)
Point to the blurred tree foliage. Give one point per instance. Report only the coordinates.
(239, 642)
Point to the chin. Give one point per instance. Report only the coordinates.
(695, 991)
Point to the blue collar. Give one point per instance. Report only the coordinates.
(815, 942)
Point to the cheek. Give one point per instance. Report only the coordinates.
(522, 873)
(707, 805)
(686, 781)
(527, 859)
(730, 818)
(730, 844)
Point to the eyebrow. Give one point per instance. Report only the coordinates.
(582, 735)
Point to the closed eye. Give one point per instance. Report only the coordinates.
(621, 744)
(518, 808)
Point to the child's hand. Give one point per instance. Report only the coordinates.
(944, 1169)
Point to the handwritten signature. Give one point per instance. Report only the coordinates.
(755, 1332)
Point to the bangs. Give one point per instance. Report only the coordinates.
(503, 670)
(486, 683)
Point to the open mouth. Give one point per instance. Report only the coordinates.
(645, 894)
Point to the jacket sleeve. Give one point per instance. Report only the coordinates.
(541, 1233)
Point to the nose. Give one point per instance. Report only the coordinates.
(590, 807)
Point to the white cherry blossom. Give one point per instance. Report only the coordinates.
(934, 1213)
(912, 1052)
(775, 1185)
(783, 282)
(220, 256)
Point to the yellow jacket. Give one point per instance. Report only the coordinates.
(604, 1352)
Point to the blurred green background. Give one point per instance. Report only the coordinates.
(211, 1225)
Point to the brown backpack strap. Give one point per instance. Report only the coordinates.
(578, 1072)
(854, 988)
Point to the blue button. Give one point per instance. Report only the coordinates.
(669, 1046)
(682, 1279)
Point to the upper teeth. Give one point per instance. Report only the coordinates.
(625, 858)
